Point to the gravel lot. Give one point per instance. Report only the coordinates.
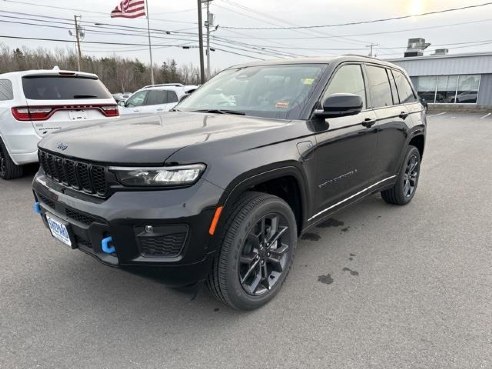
(377, 287)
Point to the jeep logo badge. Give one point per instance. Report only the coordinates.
(62, 146)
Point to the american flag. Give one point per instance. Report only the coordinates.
(129, 9)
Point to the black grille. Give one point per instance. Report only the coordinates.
(168, 245)
(78, 175)
(82, 217)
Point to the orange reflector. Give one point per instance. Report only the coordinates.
(215, 220)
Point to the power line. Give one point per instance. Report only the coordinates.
(269, 16)
(136, 31)
(364, 22)
(361, 34)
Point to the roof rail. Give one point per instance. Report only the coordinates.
(164, 84)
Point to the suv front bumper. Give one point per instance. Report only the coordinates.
(156, 229)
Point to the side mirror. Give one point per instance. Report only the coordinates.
(121, 103)
(340, 105)
(184, 97)
(424, 103)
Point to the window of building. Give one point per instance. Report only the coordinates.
(426, 87)
(449, 89)
(379, 86)
(467, 89)
(446, 89)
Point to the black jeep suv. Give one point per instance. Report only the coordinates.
(220, 189)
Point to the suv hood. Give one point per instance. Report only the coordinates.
(152, 139)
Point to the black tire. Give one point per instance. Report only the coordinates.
(8, 169)
(406, 185)
(242, 258)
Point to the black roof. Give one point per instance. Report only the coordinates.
(319, 60)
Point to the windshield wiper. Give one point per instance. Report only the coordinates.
(84, 96)
(219, 111)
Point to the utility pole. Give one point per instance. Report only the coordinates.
(77, 38)
(200, 42)
(150, 44)
(371, 46)
(208, 23)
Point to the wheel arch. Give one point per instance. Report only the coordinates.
(418, 140)
(286, 181)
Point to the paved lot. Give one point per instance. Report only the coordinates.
(378, 287)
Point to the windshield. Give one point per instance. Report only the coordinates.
(63, 88)
(279, 91)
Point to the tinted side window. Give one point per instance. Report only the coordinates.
(172, 97)
(348, 79)
(379, 87)
(404, 89)
(136, 99)
(394, 90)
(156, 97)
(6, 92)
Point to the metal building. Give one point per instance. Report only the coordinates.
(460, 80)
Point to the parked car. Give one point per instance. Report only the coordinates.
(155, 98)
(243, 167)
(35, 103)
(121, 96)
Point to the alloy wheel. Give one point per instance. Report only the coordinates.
(264, 255)
(411, 176)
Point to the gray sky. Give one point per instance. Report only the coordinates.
(180, 16)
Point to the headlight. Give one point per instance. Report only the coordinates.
(160, 176)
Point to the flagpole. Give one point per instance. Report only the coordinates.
(150, 45)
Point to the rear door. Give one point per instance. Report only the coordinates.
(160, 101)
(390, 116)
(57, 101)
(345, 150)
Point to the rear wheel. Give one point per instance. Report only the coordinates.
(257, 251)
(8, 169)
(406, 185)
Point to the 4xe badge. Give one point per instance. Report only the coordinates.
(61, 146)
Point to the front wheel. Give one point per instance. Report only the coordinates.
(406, 185)
(257, 251)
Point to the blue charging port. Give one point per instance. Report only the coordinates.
(36, 207)
(105, 245)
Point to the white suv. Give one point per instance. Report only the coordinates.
(155, 98)
(36, 102)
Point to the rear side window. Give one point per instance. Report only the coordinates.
(63, 88)
(348, 79)
(172, 97)
(155, 97)
(404, 89)
(6, 91)
(379, 86)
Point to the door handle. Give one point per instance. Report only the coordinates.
(403, 115)
(368, 122)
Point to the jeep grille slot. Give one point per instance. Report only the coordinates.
(78, 175)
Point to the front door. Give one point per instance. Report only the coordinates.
(345, 148)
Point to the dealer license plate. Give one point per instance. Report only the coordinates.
(59, 230)
(77, 114)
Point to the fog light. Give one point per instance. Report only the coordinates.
(149, 229)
